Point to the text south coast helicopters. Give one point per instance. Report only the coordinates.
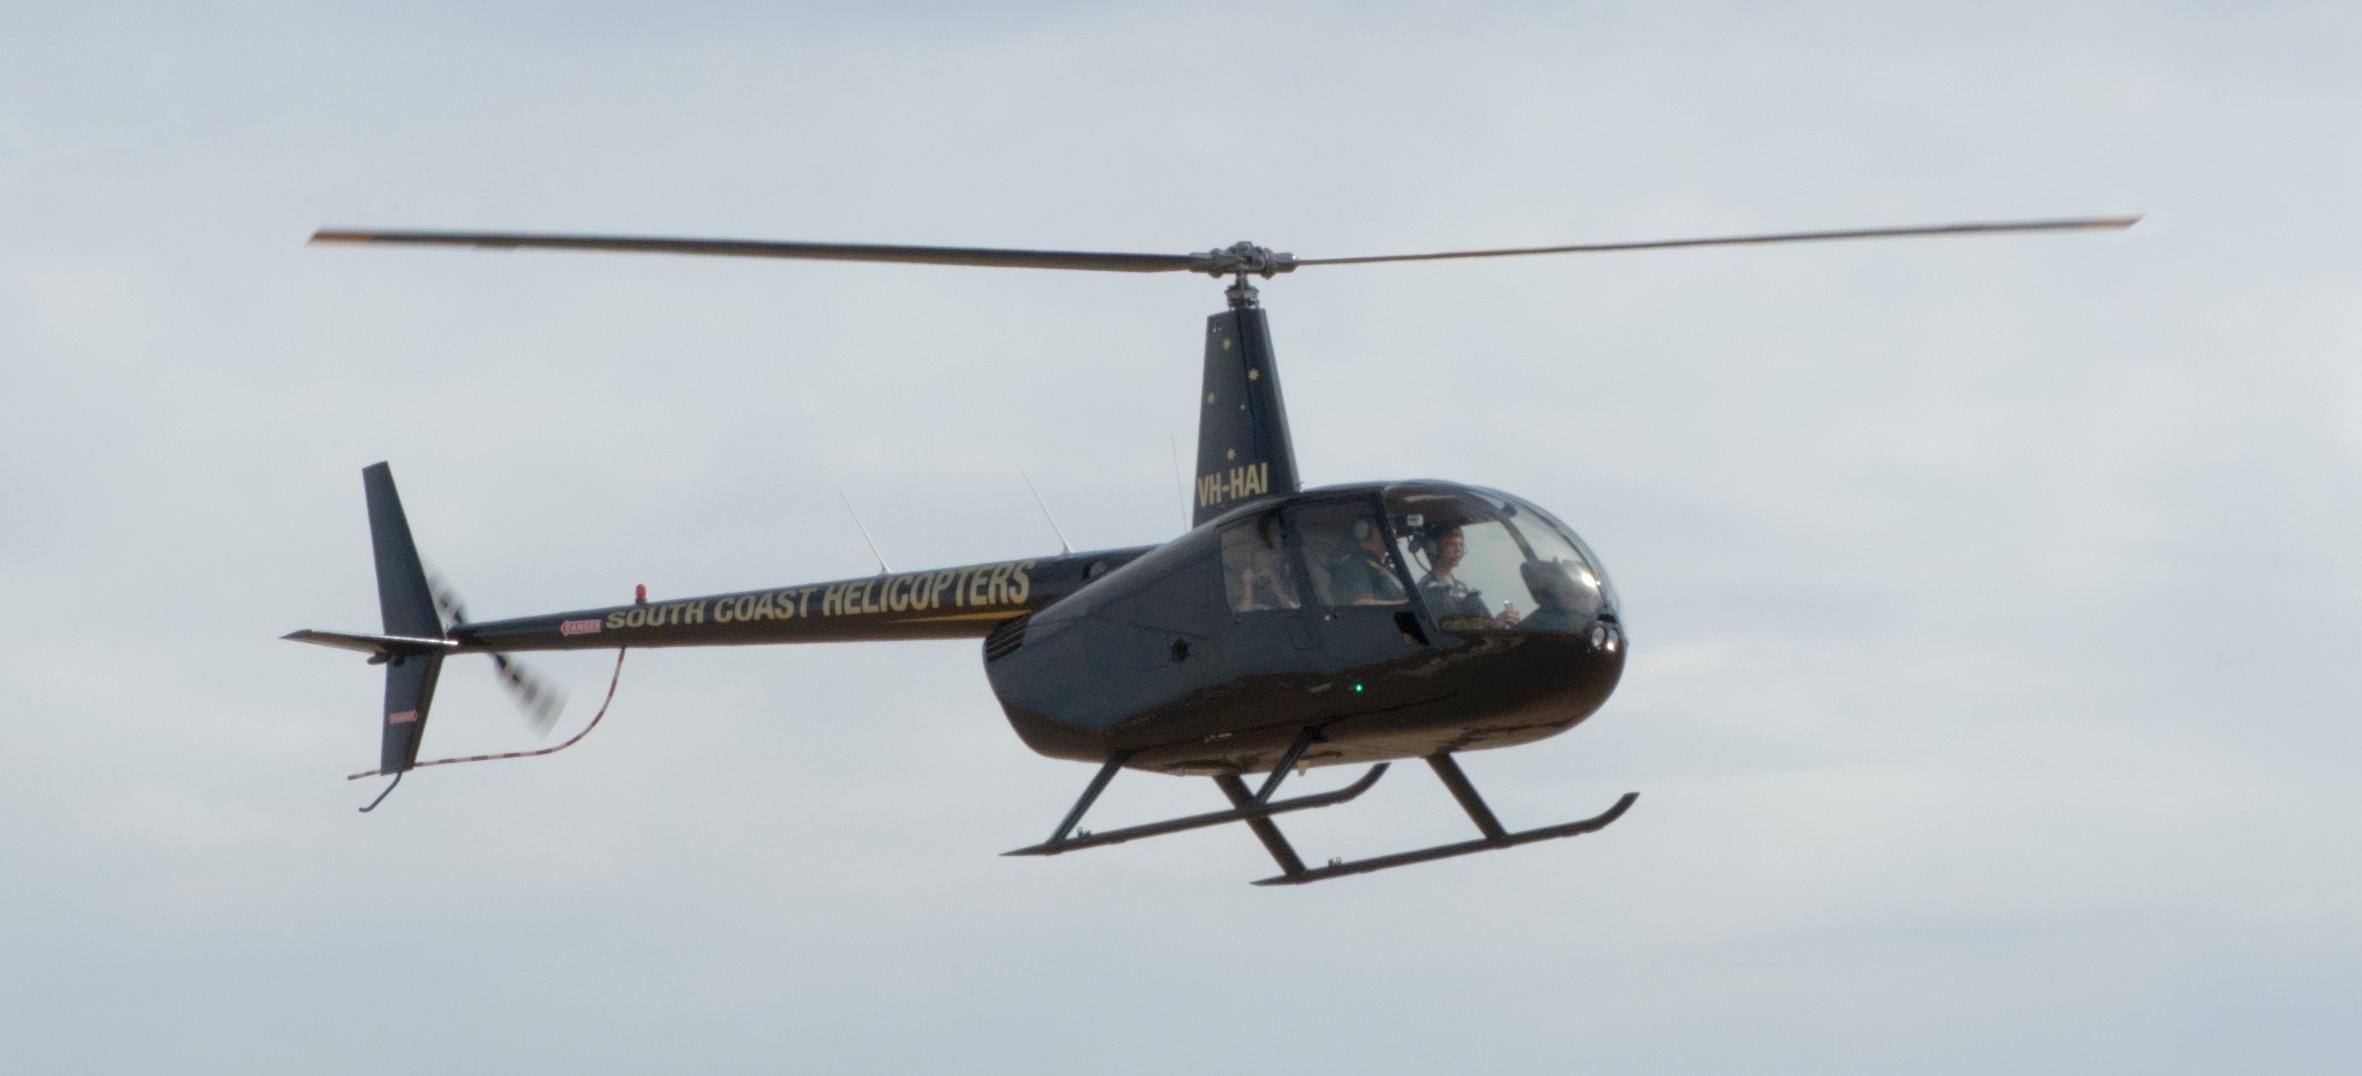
(1289, 628)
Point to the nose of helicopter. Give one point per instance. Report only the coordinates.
(1606, 635)
(1573, 672)
(1596, 662)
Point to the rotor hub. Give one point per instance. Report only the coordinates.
(1239, 261)
(1242, 259)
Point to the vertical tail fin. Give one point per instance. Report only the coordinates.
(1244, 452)
(408, 607)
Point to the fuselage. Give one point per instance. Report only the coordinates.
(1401, 619)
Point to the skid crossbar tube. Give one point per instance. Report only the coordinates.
(1495, 836)
(1266, 830)
(1249, 812)
(1448, 771)
(1090, 795)
(1286, 762)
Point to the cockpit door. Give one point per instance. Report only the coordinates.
(1263, 581)
(1355, 584)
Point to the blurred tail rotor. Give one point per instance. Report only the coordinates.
(537, 699)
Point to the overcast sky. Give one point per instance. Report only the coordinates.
(1993, 600)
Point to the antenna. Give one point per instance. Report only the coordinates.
(873, 544)
(1180, 488)
(1063, 547)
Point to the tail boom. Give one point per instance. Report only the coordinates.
(949, 603)
(966, 602)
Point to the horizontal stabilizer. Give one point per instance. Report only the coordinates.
(379, 645)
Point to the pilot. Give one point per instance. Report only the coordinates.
(1365, 575)
(1449, 597)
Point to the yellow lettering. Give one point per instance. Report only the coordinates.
(1021, 582)
(763, 609)
(696, 613)
(832, 600)
(615, 619)
(804, 601)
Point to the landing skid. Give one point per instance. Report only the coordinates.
(1256, 809)
(1341, 868)
(1249, 812)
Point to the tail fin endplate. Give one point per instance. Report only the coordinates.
(409, 612)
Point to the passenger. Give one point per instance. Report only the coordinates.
(1448, 597)
(1264, 585)
(1365, 575)
(1264, 582)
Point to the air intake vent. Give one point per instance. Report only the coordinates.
(1005, 639)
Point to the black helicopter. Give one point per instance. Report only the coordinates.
(1289, 628)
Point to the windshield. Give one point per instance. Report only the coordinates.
(1486, 562)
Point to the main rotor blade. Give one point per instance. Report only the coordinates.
(755, 248)
(1973, 228)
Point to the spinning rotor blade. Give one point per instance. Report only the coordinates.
(754, 248)
(1238, 258)
(1972, 228)
(539, 701)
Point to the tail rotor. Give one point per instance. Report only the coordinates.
(416, 610)
(537, 699)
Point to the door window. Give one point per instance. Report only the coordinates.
(1256, 574)
(1346, 556)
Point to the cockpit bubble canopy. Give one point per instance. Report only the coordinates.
(1482, 560)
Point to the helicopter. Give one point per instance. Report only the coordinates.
(1287, 629)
